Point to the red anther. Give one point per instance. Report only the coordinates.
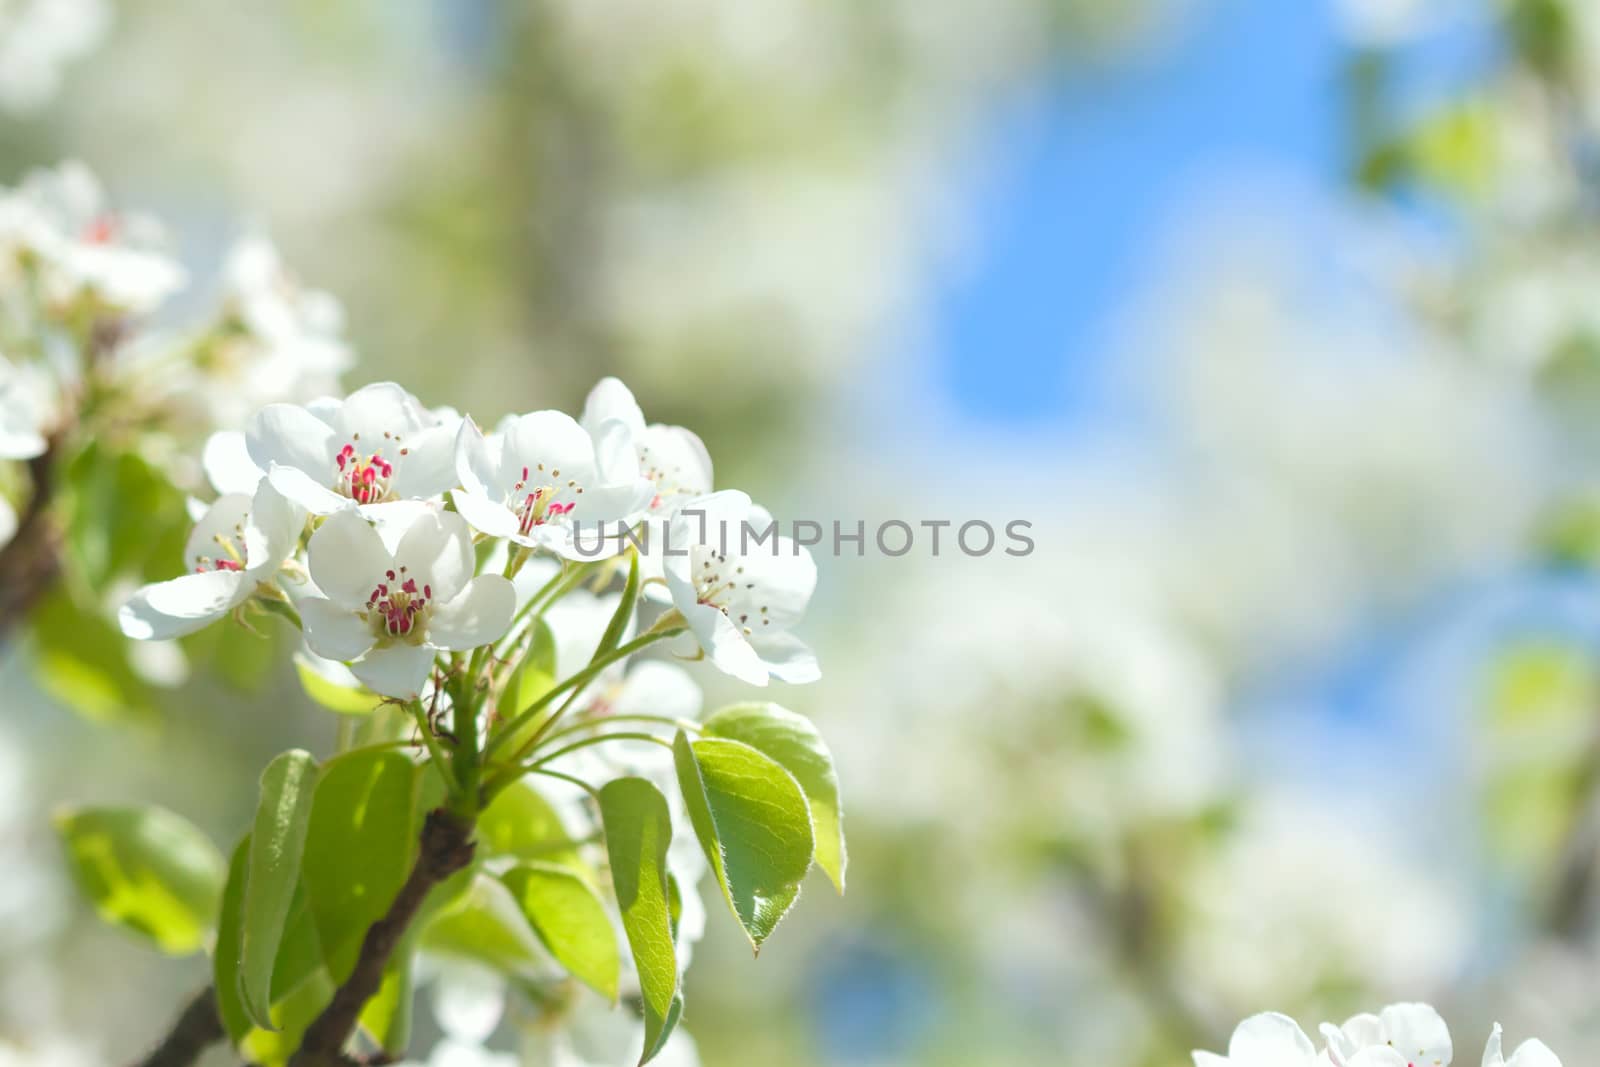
(389, 575)
(410, 586)
(427, 592)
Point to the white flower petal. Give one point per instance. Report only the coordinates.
(306, 491)
(437, 549)
(477, 460)
(724, 645)
(378, 409)
(334, 632)
(616, 451)
(787, 658)
(397, 670)
(485, 515)
(553, 448)
(273, 532)
(227, 463)
(428, 467)
(20, 444)
(1380, 1056)
(611, 400)
(221, 527)
(291, 436)
(481, 614)
(344, 555)
(182, 605)
(1417, 1032)
(1270, 1040)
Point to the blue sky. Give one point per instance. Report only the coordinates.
(1093, 165)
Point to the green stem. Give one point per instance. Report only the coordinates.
(281, 608)
(665, 720)
(576, 681)
(579, 782)
(440, 761)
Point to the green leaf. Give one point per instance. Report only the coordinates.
(534, 675)
(81, 660)
(796, 745)
(359, 848)
(230, 936)
(299, 954)
(753, 823)
(520, 822)
(486, 925)
(624, 613)
(638, 829)
(330, 694)
(277, 841)
(147, 870)
(566, 913)
(290, 1018)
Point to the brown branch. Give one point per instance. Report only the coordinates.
(446, 848)
(31, 560)
(197, 1028)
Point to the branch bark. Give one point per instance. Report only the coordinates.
(446, 848)
(197, 1028)
(31, 560)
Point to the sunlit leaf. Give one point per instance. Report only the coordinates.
(146, 870)
(638, 829)
(795, 744)
(277, 841)
(567, 914)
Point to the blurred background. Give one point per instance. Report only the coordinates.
(1279, 322)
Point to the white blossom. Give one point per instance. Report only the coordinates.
(390, 613)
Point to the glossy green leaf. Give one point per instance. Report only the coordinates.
(299, 954)
(359, 847)
(567, 914)
(486, 925)
(290, 1017)
(796, 745)
(520, 822)
(283, 816)
(345, 700)
(146, 870)
(638, 829)
(754, 824)
(225, 951)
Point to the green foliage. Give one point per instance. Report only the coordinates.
(567, 914)
(638, 829)
(486, 925)
(520, 822)
(794, 743)
(146, 870)
(329, 694)
(276, 845)
(82, 661)
(754, 824)
(534, 676)
(358, 847)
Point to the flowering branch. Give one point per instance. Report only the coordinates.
(447, 847)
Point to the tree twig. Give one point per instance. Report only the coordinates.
(197, 1028)
(446, 848)
(31, 560)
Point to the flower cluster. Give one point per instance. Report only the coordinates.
(1401, 1035)
(368, 517)
(81, 362)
